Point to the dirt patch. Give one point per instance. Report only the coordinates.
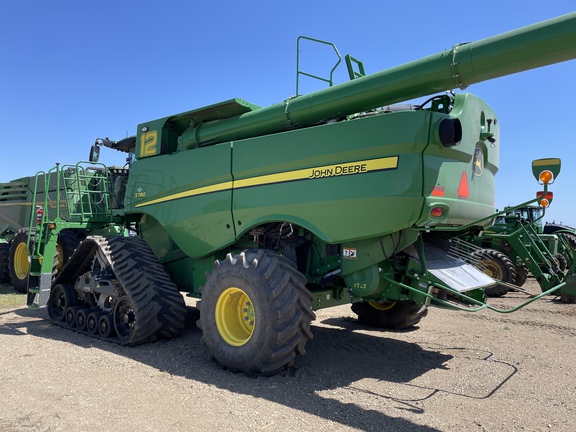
(456, 371)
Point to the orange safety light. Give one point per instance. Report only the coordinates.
(544, 200)
(546, 176)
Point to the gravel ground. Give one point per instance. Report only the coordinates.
(456, 371)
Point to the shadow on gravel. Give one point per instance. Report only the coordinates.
(337, 359)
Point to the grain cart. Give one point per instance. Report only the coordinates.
(267, 214)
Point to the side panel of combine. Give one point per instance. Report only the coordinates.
(349, 180)
(186, 196)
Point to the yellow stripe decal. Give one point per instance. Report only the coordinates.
(350, 168)
(193, 192)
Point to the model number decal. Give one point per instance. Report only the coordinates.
(139, 193)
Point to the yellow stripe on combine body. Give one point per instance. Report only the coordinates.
(349, 168)
(193, 192)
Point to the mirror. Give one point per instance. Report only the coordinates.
(94, 153)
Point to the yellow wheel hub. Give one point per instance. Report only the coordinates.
(382, 306)
(492, 269)
(235, 318)
(21, 263)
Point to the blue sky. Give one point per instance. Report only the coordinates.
(72, 71)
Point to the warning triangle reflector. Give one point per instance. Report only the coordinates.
(463, 191)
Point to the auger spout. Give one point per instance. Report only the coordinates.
(545, 43)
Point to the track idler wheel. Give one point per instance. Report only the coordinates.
(82, 317)
(106, 326)
(71, 315)
(92, 322)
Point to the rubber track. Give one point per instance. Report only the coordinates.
(159, 306)
(132, 254)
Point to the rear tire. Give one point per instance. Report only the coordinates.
(19, 263)
(521, 275)
(68, 241)
(498, 266)
(389, 315)
(255, 313)
(562, 262)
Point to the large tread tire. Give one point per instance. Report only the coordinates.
(571, 239)
(389, 315)
(498, 266)
(19, 263)
(562, 262)
(68, 241)
(266, 290)
(19, 266)
(521, 275)
(4, 262)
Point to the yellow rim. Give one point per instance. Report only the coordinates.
(235, 318)
(385, 305)
(21, 264)
(492, 269)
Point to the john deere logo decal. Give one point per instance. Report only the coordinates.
(478, 164)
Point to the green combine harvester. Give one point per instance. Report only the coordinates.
(267, 214)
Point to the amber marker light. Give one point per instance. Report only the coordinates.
(52, 225)
(546, 176)
(544, 203)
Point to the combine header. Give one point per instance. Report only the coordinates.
(267, 214)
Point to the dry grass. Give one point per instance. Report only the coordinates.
(9, 299)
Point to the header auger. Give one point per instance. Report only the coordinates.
(267, 214)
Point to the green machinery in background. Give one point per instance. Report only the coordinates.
(519, 244)
(267, 214)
